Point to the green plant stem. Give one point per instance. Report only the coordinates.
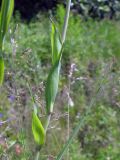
(47, 122)
(66, 21)
(63, 40)
(68, 119)
(37, 155)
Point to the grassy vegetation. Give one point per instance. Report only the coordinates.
(93, 48)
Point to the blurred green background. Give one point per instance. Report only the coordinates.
(91, 56)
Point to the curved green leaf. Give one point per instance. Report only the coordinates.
(38, 130)
(6, 13)
(53, 77)
(55, 43)
(52, 86)
(1, 71)
(9, 13)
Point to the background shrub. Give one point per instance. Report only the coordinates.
(99, 9)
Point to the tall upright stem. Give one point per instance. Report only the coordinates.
(47, 122)
(66, 21)
(68, 118)
(63, 40)
(65, 25)
(37, 155)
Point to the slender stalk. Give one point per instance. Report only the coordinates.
(63, 40)
(68, 119)
(47, 122)
(66, 21)
(37, 155)
(68, 134)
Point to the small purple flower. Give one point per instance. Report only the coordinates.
(1, 115)
(11, 98)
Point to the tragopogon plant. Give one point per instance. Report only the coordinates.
(5, 16)
(57, 42)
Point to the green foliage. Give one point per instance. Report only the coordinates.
(98, 8)
(85, 40)
(102, 126)
(86, 8)
(55, 43)
(53, 77)
(76, 151)
(52, 86)
(70, 140)
(5, 16)
(38, 130)
(90, 39)
(1, 71)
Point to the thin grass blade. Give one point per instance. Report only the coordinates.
(82, 121)
(9, 13)
(73, 135)
(1, 71)
(6, 13)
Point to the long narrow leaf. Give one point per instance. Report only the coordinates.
(52, 83)
(1, 71)
(55, 43)
(81, 123)
(53, 77)
(9, 13)
(52, 87)
(73, 135)
(4, 10)
(5, 16)
(6, 13)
